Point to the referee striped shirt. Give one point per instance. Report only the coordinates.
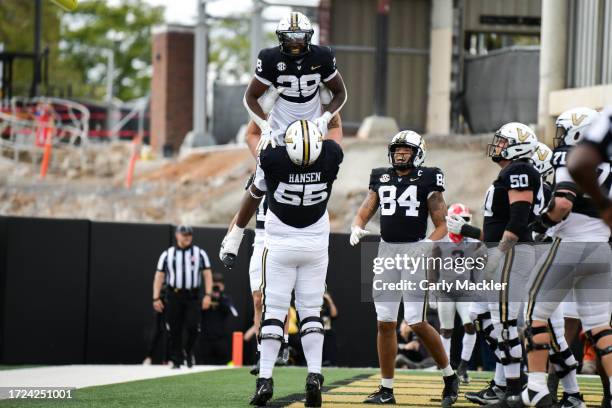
(183, 266)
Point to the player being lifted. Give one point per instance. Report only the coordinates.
(294, 70)
(407, 194)
(297, 181)
(580, 242)
(508, 210)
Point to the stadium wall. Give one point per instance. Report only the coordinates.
(79, 292)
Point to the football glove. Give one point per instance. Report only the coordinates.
(454, 223)
(230, 246)
(267, 138)
(356, 234)
(322, 122)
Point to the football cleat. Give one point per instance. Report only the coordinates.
(264, 388)
(450, 391)
(492, 394)
(383, 395)
(462, 372)
(572, 401)
(531, 398)
(314, 382)
(511, 401)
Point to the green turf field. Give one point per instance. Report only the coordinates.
(232, 388)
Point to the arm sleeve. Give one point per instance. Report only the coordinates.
(329, 69)
(264, 69)
(204, 261)
(161, 264)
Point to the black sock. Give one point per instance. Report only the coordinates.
(514, 386)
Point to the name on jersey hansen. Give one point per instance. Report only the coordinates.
(305, 178)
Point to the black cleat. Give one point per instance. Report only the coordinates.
(450, 391)
(383, 395)
(462, 372)
(544, 399)
(314, 382)
(510, 401)
(572, 401)
(492, 394)
(264, 388)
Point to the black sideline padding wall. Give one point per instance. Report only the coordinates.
(79, 292)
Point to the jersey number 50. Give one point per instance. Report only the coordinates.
(300, 194)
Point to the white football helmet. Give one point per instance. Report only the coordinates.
(407, 138)
(541, 159)
(304, 142)
(294, 33)
(572, 124)
(512, 141)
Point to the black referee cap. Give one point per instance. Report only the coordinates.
(184, 229)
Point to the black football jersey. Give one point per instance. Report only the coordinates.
(300, 78)
(298, 195)
(583, 204)
(403, 201)
(519, 175)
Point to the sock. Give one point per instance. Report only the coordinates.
(447, 371)
(570, 383)
(500, 377)
(468, 346)
(513, 370)
(312, 343)
(258, 346)
(286, 337)
(515, 387)
(269, 351)
(447, 344)
(537, 382)
(387, 382)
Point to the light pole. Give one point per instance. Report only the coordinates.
(200, 74)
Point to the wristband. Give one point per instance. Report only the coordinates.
(156, 299)
(470, 231)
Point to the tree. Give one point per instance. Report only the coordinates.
(17, 35)
(124, 29)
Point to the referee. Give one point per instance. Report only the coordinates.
(179, 267)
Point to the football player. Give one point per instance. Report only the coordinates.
(449, 304)
(570, 265)
(508, 210)
(297, 181)
(294, 70)
(407, 194)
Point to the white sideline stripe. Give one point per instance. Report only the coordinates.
(81, 376)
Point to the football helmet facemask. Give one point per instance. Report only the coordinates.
(572, 124)
(407, 138)
(512, 141)
(541, 160)
(294, 33)
(304, 142)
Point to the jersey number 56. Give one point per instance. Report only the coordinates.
(300, 194)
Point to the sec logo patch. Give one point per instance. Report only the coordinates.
(385, 178)
(281, 66)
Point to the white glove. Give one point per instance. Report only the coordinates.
(356, 234)
(454, 223)
(267, 138)
(231, 242)
(494, 258)
(322, 122)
